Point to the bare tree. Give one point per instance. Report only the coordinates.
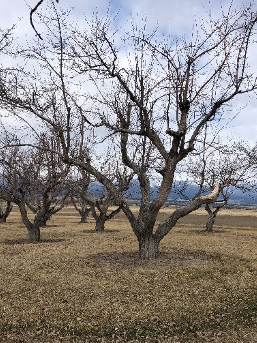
(77, 184)
(98, 200)
(99, 208)
(226, 165)
(153, 106)
(233, 170)
(32, 179)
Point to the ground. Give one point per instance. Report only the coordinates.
(79, 286)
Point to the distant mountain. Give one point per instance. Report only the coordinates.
(237, 196)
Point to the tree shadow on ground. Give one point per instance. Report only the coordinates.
(202, 232)
(104, 231)
(217, 230)
(26, 241)
(166, 261)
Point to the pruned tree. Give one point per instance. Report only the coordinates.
(99, 208)
(77, 184)
(46, 189)
(32, 178)
(153, 106)
(233, 170)
(98, 200)
(121, 178)
(226, 165)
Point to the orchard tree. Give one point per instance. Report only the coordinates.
(230, 166)
(99, 199)
(32, 178)
(77, 184)
(233, 170)
(99, 208)
(149, 96)
(121, 178)
(46, 192)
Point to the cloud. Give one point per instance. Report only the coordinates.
(173, 17)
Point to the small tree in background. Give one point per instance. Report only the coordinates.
(32, 178)
(226, 165)
(98, 200)
(77, 184)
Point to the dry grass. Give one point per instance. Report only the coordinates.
(78, 286)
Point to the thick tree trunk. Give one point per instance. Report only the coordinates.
(2, 219)
(34, 233)
(210, 222)
(33, 228)
(148, 247)
(83, 215)
(212, 216)
(4, 214)
(99, 226)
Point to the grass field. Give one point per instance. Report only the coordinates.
(80, 286)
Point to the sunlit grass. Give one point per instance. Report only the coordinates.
(78, 286)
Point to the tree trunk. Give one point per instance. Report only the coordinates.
(34, 233)
(33, 228)
(212, 216)
(148, 247)
(5, 214)
(210, 222)
(100, 221)
(83, 215)
(43, 223)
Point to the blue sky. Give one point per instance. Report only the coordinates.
(174, 17)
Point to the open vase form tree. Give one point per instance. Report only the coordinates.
(100, 199)
(152, 107)
(78, 183)
(99, 208)
(31, 179)
(228, 165)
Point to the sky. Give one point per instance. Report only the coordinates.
(174, 17)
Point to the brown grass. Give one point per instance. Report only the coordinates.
(79, 286)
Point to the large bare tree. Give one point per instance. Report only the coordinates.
(147, 95)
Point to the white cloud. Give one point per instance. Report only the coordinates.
(173, 17)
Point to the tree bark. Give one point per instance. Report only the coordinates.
(83, 215)
(34, 233)
(33, 228)
(212, 216)
(210, 222)
(100, 221)
(148, 247)
(4, 214)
